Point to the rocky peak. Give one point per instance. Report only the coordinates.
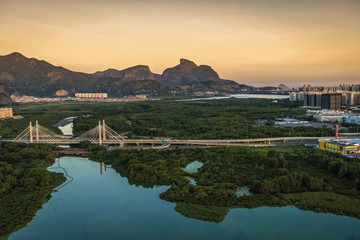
(188, 72)
(184, 63)
(142, 68)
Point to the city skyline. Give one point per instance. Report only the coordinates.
(256, 43)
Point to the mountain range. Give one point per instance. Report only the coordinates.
(35, 77)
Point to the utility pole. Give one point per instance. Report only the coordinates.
(337, 132)
(31, 134)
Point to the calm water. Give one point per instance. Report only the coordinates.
(193, 167)
(105, 206)
(263, 96)
(66, 126)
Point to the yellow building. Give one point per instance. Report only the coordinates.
(91, 95)
(342, 147)
(6, 113)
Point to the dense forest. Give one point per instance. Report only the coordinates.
(224, 119)
(25, 184)
(277, 176)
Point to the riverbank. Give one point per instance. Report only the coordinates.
(26, 184)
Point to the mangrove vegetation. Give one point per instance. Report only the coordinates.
(277, 176)
(25, 183)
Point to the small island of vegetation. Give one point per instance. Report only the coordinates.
(277, 176)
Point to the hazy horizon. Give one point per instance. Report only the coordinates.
(259, 43)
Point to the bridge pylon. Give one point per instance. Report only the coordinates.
(31, 133)
(36, 133)
(100, 130)
(100, 134)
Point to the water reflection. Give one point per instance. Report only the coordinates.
(102, 165)
(105, 206)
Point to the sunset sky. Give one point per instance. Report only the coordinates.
(256, 42)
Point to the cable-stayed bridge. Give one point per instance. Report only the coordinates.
(101, 134)
(104, 135)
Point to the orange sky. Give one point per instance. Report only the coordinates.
(257, 42)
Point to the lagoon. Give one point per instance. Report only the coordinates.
(242, 96)
(91, 205)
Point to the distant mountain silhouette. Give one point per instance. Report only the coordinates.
(187, 76)
(35, 77)
(31, 76)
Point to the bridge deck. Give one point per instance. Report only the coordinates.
(209, 142)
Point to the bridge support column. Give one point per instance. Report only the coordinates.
(31, 133)
(122, 144)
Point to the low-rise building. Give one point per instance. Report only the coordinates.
(329, 115)
(91, 95)
(6, 113)
(289, 121)
(345, 147)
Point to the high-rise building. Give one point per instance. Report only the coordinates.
(324, 101)
(312, 100)
(331, 101)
